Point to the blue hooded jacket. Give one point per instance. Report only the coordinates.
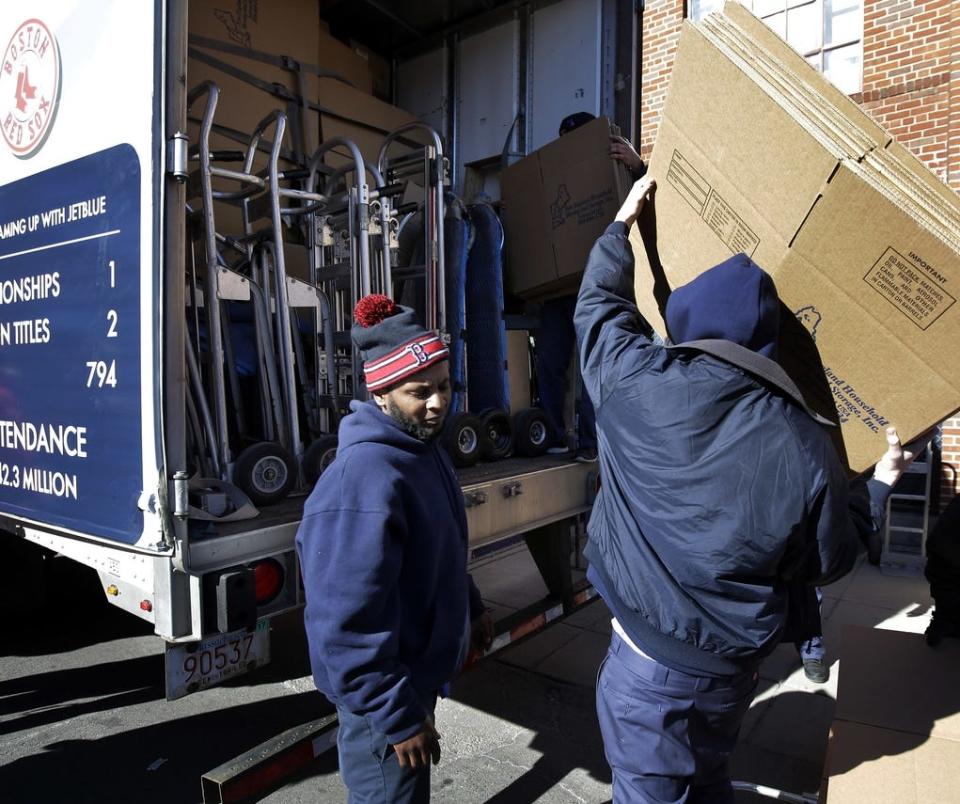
(383, 552)
(717, 491)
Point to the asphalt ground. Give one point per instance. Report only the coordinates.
(83, 716)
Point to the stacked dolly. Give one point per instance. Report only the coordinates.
(270, 362)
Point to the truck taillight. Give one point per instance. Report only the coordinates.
(267, 580)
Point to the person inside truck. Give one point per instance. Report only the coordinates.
(555, 337)
(390, 609)
(720, 488)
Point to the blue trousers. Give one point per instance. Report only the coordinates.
(668, 735)
(556, 341)
(812, 646)
(369, 767)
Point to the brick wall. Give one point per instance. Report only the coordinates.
(661, 32)
(911, 86)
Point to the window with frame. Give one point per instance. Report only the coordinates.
(828, 33)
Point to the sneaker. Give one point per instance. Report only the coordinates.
(561, 450)
(586, 455)
(816, 670)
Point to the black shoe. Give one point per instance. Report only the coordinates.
(816, 670)
(939, 628)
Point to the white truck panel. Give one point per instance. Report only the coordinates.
(488, 90)
(565, 76)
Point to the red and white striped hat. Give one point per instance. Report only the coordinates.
(393, 344)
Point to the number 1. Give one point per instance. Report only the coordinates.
(113, 273)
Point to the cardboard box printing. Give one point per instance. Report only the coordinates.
(557, 201)
(860, 238)
(895, 738)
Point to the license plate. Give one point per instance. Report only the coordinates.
(194, 666)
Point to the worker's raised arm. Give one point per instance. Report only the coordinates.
(606, 319)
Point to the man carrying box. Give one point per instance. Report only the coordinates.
(720, 489)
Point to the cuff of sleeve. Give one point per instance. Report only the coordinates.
(879, 492)
(618, 228)
(405, 732)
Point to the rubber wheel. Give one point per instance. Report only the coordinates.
(464, 439)
(499, 431)
(531, 432)
(265, 472)
(319, 456)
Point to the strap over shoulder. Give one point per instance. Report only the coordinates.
(757, 365)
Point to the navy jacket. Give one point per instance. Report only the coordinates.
(383, 552)
(717, 491)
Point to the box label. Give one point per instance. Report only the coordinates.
(903, 283)
(693, 188)
(583, 210)
(851, 406)
(729, 226)
(711, 207)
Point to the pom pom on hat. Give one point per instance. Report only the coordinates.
(373, 309)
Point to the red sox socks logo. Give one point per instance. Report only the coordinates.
(29, 87)
(418, 352)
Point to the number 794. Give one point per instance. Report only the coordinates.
(102, 373)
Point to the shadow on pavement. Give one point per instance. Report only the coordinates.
(117, 768)
(61, 694)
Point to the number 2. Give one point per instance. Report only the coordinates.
(112, 317)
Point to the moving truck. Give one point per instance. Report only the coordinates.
(115, 446)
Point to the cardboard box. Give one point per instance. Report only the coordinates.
(861, 239)
(557, 201)
(381, 71)
(282, 28)
(896, 731)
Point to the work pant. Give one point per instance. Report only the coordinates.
(556, 340)
(668, 735)
(369, 767)
(812, 647)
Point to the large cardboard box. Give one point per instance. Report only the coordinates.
(861, 240)
(895, 738)
(557, 201)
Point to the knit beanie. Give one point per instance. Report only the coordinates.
(391, 342)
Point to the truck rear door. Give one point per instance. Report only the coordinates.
(80, 170)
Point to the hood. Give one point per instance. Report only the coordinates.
(367, 422)
(733, 301)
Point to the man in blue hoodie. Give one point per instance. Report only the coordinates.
(383, 553)
(720, 490)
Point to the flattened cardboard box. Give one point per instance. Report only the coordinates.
(896, 732)
(862, 246)
(557, 202)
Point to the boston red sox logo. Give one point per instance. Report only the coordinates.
(29, 87)
(419, 353)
